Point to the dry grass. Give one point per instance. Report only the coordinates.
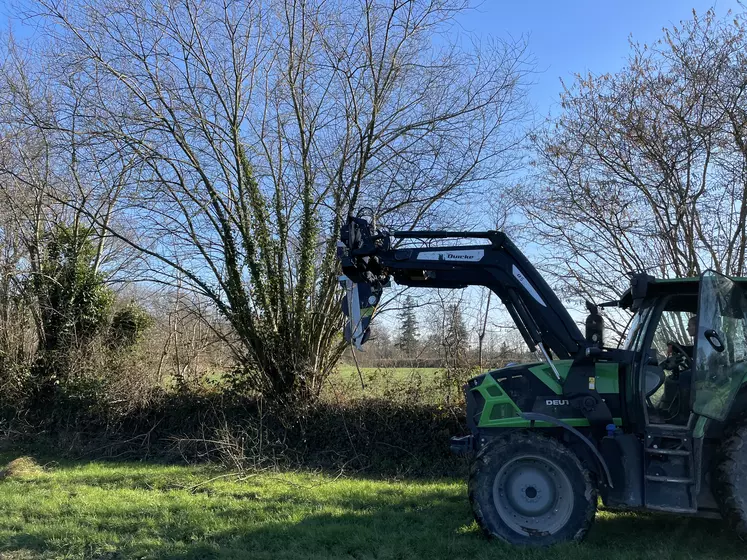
(22, 467)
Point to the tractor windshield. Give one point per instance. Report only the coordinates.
(634, 340)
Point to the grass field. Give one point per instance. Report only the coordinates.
(119, 510)
(350, 372)
(383, 382)
(375, 380)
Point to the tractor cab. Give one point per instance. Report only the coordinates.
(690, 336)
(687, 385)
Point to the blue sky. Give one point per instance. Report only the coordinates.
(569, 36)
(564, 36)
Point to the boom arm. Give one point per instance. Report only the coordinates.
(368, 259)
(369, 262)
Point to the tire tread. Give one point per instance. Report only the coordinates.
(730, 479)
(545, 443)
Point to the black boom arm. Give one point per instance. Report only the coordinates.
(368, 259)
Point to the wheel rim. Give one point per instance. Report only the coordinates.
(533, 495)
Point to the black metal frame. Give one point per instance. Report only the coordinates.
(542, 321)
(369, 256)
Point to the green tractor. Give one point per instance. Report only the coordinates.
(657, 424)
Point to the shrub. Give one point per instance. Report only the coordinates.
(128, 326)
(21, 467)
(376, 436)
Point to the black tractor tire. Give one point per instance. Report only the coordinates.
(528, 489)
(729, 480)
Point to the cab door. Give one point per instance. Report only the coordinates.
(673, 469)
(720, 355)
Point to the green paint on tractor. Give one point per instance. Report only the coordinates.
(606, 379)
(500, 411)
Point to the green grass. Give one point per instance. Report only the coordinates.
(351, 372)
(120, 510)
(346, 377)
(423, 385)
(426, 383)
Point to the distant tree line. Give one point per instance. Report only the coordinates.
(445, 341)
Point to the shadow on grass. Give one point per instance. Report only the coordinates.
(444, 530)
(437, 533)
(354, 518)
(405, 466)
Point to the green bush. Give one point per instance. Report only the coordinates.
(74, 300)
(128, 326)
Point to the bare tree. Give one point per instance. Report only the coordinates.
(54, 250)
(646, 169)
(243, 134)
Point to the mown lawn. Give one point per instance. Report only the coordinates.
(120, 510)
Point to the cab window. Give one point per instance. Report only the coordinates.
(637, 330)
(667, 377)
(673, 327)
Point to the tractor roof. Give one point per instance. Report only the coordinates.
(644, 287)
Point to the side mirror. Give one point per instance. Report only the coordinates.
(714, 340)
(594, 325)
